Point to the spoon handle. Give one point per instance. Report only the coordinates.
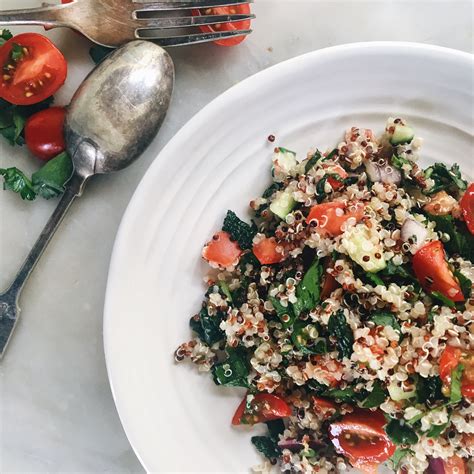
(9, 310)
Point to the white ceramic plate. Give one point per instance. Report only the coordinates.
(176, 419)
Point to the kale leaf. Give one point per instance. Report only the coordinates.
(401, 433)
(376, 397)
(267, 446)
(232, 372)
(239, 230)
(308, 291)
(444, 178)
(207, 327)
(342, 332)
(429, 389)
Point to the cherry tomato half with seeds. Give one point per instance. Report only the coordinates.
(467, 206)
(238, 25)
(433, 273)
(32, 69)
(262, 407)
(361, 437)
(44, 133)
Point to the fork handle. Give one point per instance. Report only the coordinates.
(52, 15)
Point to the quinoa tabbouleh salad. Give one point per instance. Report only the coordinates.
(345, 310)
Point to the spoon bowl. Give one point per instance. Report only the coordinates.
(119, 108)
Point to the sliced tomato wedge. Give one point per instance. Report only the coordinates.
(330, 216)
(433, 273)
(449, 360)
(267, 251)
(323, 404)
(32, 69)
(238, 25)
(340, 171)
(454, 465)
(329, 282)
(222, 250)
(360, 436)
(262, 407)
(467, 206)
(44, 133)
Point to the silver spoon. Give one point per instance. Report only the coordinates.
(112, 118)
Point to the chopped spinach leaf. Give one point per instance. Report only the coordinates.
(461, 241)
(50, 179)
(239, 230)
(429, 389)
(444, 300)
(284, 313)
(444, 178)
(376, 397)
(312, 161)
(386, 319)
(342, 332)
(401, 433)
(399, 271)
(398, 456)
(275, 428)
(466, 284)
(232, 372)
(345, 395)
(308, 290)
(375, 279)
(436, 430)
(456, 376)
(305, 338)
(267, 446)
(320, 192)
(98, 53)
(16, 181)
(207, 327)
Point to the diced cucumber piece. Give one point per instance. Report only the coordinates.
(397, 393)
(364, 248)
(402, 135)
(283, 204)
(284, 163)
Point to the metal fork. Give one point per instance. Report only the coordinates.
(115, 22)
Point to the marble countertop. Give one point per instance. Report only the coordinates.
(57, 412)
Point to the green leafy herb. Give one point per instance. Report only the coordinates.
(375, 279)
(275, 428)
(5, 35)
(466, 284)
(386, 319)
(320, 192)
(461, 241)
(398, 456)
(16, 181)
(436, 430)
(305, 338)
(98, 53)
(346, 395)
(50, 179)
(399, 162)
(456, 375)
(376, 397)
(342, 333)
(308, 290)
(16, 53)
(332, 154)
(401, 433)
(429, 389)
(207, 327)
(239, 230)
(312, 161)
(285, 150)
(399, 271)
(444, 300)
(267, 446)
(225, 289)
(233, 372)
(285, 313)
(444, 178)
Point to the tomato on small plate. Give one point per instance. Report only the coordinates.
(262, 407)
(32, 69)
(44, 133)
(467, 207)
(433, 273)
(361, 437)
(243, 9)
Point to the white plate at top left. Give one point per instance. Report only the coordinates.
(176, 419)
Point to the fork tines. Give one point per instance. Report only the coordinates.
(186, 5)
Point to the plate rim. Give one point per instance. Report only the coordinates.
(140, 192)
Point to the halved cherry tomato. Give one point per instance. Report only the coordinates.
(449, 360)
(340, 171)
(238, 25)
(331, 216)
(433, 273)
(44, 133)
(221, 250)
(263, 407)
(266, 251)
(467, 206)
(360, 436)
(37, 74)
(454, 465)
(323, 404)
